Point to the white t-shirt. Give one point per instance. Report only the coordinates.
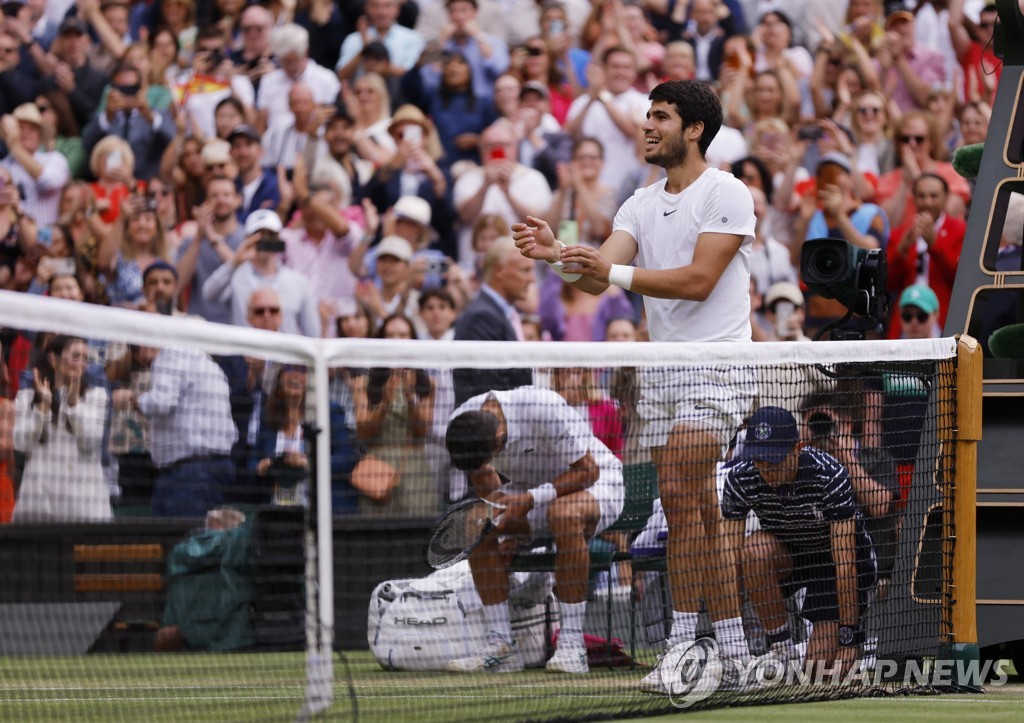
(666, 227)
(276, 85)
(620, 150)
(545, 436)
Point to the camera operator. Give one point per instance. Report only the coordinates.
(129, 116)
(829, 425)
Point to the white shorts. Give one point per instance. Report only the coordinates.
(609, 492)
(715, 399)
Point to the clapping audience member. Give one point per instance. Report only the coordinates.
(380, 22)
(218, 235)
(59, 427)
(71, 72)
(39, 175)
(17, 231)
(279, 458)
(61, 132)
(457, 111)
(583, 207)
(136, 242)
(486, 54)
(129, 116)
(394, 413)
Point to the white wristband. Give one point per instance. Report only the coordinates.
(543, 494)
(621, 275)
(559, 268)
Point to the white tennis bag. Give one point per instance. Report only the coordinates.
(421, 624)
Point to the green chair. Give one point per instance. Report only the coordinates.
(640, 482)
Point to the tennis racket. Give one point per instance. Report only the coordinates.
(461, 531)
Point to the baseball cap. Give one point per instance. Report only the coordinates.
(394, 246)
(414, 209)
(535, 86)
(920, 296)
(895, 11)
(771, 435)
(783, 291)
(262, 219)
(29, 113)
(159, 265)
(72, 24)
(244, 130)
(835, 158)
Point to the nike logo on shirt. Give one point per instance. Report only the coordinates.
(669, 213)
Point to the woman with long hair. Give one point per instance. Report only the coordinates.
(872, 132)
(17, 231)
(538, 64)
(394, 413)
(141, 242)
(59, 427)
(459, 115)
(60, 130)
(369, 103)
(581, 201)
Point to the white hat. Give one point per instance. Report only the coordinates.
(262, 220)
(783, 291)
(394, 246)
(414, 209)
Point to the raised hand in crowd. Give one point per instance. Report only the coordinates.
(44, 395)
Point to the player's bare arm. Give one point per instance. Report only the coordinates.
(582, 473)
(693, 282)
(536, 240)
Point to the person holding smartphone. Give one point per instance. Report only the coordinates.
(257, 264)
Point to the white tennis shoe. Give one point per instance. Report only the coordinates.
(569, 658)
(496, 656)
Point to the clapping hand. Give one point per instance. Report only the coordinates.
(43, 392)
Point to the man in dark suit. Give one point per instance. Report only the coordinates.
(491, 316)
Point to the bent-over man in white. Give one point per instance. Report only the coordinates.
(529, 450)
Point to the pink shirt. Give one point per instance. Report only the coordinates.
(325, 264)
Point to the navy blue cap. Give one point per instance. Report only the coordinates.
(772, 434)
(158, 265)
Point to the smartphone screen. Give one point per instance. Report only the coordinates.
(413, 133)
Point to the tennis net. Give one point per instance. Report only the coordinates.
(308, 560)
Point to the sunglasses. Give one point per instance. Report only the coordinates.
(909, 315)
(263, 310)
(835, 62)
(915, 139)
(868, 110)
(534, 52)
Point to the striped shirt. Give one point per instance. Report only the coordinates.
(40, 196)
(800, 513)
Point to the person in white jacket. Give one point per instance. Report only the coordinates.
(59, 426)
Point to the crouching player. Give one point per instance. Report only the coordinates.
(563, 483)
(812, 537)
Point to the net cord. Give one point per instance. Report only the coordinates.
(37, 313)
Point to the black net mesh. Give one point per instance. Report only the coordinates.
(670, 537)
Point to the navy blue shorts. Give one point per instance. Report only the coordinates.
(816, 572)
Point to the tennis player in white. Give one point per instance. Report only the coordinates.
(690, 238)
(563, 483)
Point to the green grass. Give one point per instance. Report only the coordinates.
(270, 687)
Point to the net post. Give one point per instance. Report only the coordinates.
(320, 589)
(963, 644)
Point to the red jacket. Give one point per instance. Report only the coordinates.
(943, 257)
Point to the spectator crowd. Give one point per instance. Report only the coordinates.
(350, 168)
